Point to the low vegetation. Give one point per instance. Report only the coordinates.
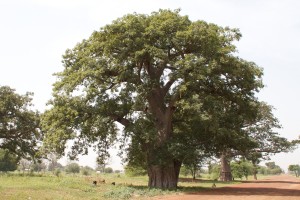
(38, 186)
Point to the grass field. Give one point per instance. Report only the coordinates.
(15, 186)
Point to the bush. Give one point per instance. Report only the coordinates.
(57, 172)
(270, 169)
(108, 170)
(119, 193)
(8, 161)
(86, 170)
(72, 168)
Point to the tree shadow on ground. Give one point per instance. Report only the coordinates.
(238, 191)
(184, 189)
(190, 180)
(266, 181)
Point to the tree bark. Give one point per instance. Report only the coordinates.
(164, 177)
(163, 169)
(255, 175)
(193, 171)
(225, 169)
(254, 170)
(194, 175)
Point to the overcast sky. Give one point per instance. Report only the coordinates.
(34, 35)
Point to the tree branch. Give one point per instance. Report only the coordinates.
(120, 119)
(167, 86)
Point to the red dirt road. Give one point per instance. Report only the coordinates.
(283, 187)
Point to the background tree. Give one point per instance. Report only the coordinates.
(295, 169)
(25, 165)
(184, 171)
(8, 161)
(214, 171)
(253, 134)
(144, 72)
(194, 161)
(225, 128)
(38, 166)
(19, 125)
(103, 160)
(53, 162)
(264, 134)
(273, 168)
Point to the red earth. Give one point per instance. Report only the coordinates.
(283, 187)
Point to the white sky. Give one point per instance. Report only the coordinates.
(34, 35)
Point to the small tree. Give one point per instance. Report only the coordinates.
(295, 169)
(194, 161)
(214, 171)
(241, 169)
(273, 168)
(237, 170)
(184, 171)
(270, 165)
(24, 165)
(73, 168)
(53, 164)
(38, 166)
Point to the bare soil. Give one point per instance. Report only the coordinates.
(283, 187)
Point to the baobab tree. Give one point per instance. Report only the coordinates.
(141, 72)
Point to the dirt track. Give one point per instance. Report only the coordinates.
(281, 187)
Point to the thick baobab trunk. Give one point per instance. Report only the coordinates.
(225, 169)
(164, 177)
(163, 169)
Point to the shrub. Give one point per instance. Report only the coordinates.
(8, 161)
(85, 172)
(57, 172)
(72, 168)
(108, 170)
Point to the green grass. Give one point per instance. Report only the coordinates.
(16, 186)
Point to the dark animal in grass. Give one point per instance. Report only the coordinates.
(113, 183)
(94, 183)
